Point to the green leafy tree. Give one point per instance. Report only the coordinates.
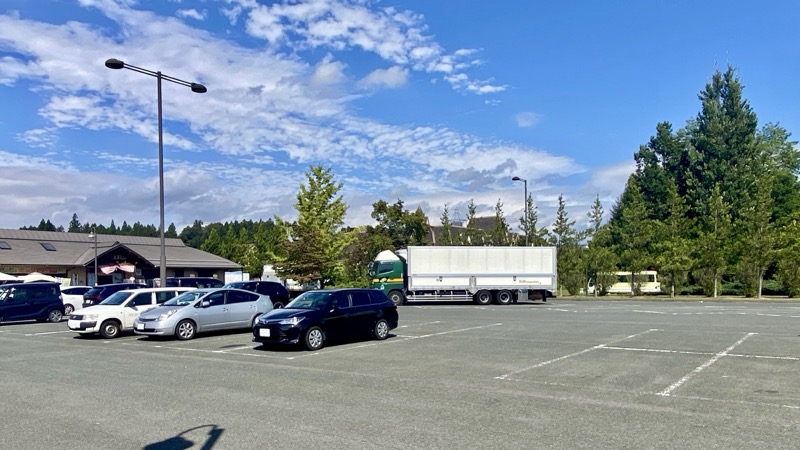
(634, 233)
(713, 243)
(567, 240)
(674, 246)
(756, 240)
(447, 227)
(321, 212)
(529, 222)
(74, 224)
(788, 257)
(500, 230)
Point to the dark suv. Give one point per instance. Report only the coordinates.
(276, 292)
(99, 293)
(195, 282)
(28, 301)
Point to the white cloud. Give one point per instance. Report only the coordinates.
(192, 13)
(328, 72)
(527, 119)
(392, 77)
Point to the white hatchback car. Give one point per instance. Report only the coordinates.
(73, 297)
(119, 310)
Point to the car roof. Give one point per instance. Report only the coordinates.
(30, 283)
(160, 289)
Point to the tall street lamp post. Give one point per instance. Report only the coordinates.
(93, 235)
(195, 87)
(527, 225)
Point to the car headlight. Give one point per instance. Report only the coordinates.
(90, 317)
(291, 321)
(167, 315)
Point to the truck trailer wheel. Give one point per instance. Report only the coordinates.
(483, 297)
(504, 297)
(397, 298)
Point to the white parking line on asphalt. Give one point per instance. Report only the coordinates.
(450, 331)
(666, 392)
(561, 358)
(48, 332)
(420, 324)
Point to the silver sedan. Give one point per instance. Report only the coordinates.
(203, 310)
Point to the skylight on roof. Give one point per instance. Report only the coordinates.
(4, 245)
(48, 246)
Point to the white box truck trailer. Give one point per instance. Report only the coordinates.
(482, 274)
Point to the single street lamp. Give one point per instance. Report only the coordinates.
(93, 235)
(527, 225)
(195, 87)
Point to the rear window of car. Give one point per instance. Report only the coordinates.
(75, 290)
(94, 292)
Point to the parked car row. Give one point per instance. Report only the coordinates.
(311, 320)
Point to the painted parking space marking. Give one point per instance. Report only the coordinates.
(419, 324)
(410, 337)
(666, 392)
(561, 358)
(48, 332)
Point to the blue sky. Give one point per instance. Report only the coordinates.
(432, 102)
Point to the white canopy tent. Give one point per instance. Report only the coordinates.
(36, 276)
(7, 277)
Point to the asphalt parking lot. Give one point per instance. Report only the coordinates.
(566, 374)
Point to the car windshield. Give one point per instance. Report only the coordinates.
(185, 299)
(117, 298)
(310, 300)
(235, 284)
(94, 292)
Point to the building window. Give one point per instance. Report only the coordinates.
(4, 245)
(48, 246)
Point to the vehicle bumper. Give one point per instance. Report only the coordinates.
(82, 326)
(277, 334)
(153, 328)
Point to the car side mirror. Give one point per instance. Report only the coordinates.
(205, 304)
(131, 306)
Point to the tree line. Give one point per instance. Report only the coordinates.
(715, 201)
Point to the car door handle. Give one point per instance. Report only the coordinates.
(225, 309)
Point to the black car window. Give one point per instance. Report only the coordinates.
(378, 297)
(240, 297)
(341, 300)
(215, 299)
(163, 296)
(141, 299)
(359, 298)
(19, 294)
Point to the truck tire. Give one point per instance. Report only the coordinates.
(483, 297)
(397, 298)
(504, 297)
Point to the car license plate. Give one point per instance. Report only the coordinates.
(140, 326)
(263, 332)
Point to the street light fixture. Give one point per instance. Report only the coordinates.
(527, 225)
(195, 87)
(93, 235)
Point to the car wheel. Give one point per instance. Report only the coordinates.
(277, 305)
(483, 297)
(54, 316)
(68, 309)
(185, 330)
(504, 297)
(397, 298)
(109, 329)
(381, 330)
(314, 338)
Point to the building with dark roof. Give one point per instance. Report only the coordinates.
(72, 256)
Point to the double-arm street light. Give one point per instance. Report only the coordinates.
(195, 87)
(93, 235)
(527, 225)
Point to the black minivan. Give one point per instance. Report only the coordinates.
(39, 301)
(99, 293)
(277, 293)
(195, 282)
